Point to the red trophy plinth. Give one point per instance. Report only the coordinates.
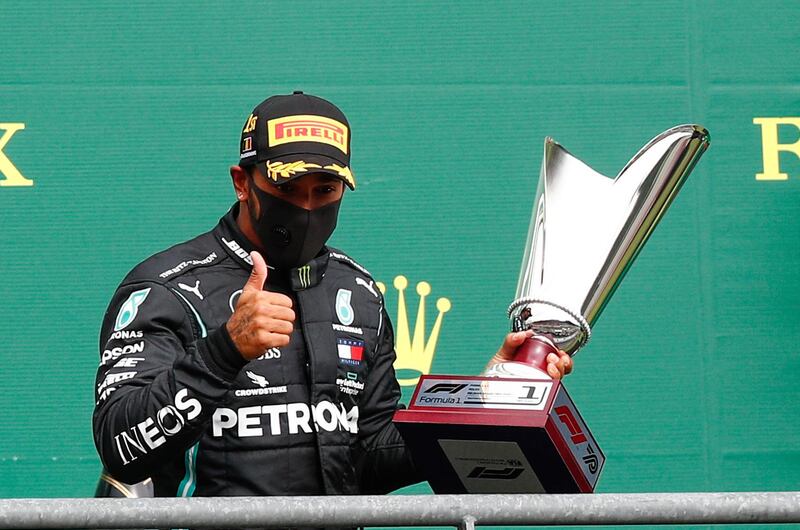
(493, 435)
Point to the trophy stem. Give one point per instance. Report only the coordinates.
(534, 352)
(529, 361)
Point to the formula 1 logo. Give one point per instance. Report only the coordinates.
(590, 459)
(504, 473)
(568, 419)
(450, 388)
(129, 310)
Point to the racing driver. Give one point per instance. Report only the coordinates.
(253, 359)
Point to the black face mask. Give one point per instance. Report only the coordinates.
(292, 236)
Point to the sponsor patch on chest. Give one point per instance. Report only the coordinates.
(350, 351)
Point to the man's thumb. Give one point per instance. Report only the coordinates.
(259, 274)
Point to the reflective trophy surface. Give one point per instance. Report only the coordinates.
(586, 229)
(108, 486)
(514, 429)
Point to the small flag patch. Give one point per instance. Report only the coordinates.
(350, 350)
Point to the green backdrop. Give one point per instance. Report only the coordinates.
(132, 116)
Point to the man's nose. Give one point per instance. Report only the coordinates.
(305, 201)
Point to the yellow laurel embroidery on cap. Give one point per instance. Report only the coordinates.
(344, 172)
(289, 169)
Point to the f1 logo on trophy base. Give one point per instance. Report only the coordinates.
(513, 429)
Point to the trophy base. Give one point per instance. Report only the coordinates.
(494, 435)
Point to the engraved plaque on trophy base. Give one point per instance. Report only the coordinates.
(494, 435)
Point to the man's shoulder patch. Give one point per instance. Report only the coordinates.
(344, 258)
(177, 261)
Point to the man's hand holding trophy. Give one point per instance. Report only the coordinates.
(558, 364)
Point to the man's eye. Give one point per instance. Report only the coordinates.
(322, 190)
(285, 188)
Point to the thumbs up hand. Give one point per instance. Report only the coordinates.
(262, 319)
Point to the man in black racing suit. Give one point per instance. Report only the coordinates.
(178, 402)
(227, 372)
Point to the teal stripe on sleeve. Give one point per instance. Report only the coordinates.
(187, 485)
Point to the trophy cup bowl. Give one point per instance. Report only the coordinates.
(586, 229)
(514, 429)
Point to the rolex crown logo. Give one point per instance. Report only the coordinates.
(415, 354)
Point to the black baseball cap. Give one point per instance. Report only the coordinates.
(289, 136)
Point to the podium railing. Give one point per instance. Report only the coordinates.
(464, 511)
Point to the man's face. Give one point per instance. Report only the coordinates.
(310, 191)
(291, 221)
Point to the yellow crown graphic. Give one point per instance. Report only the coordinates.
(414, 355)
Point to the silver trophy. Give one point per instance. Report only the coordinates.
(515, 430)
(586, 229)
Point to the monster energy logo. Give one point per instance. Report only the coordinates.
(304, 275)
